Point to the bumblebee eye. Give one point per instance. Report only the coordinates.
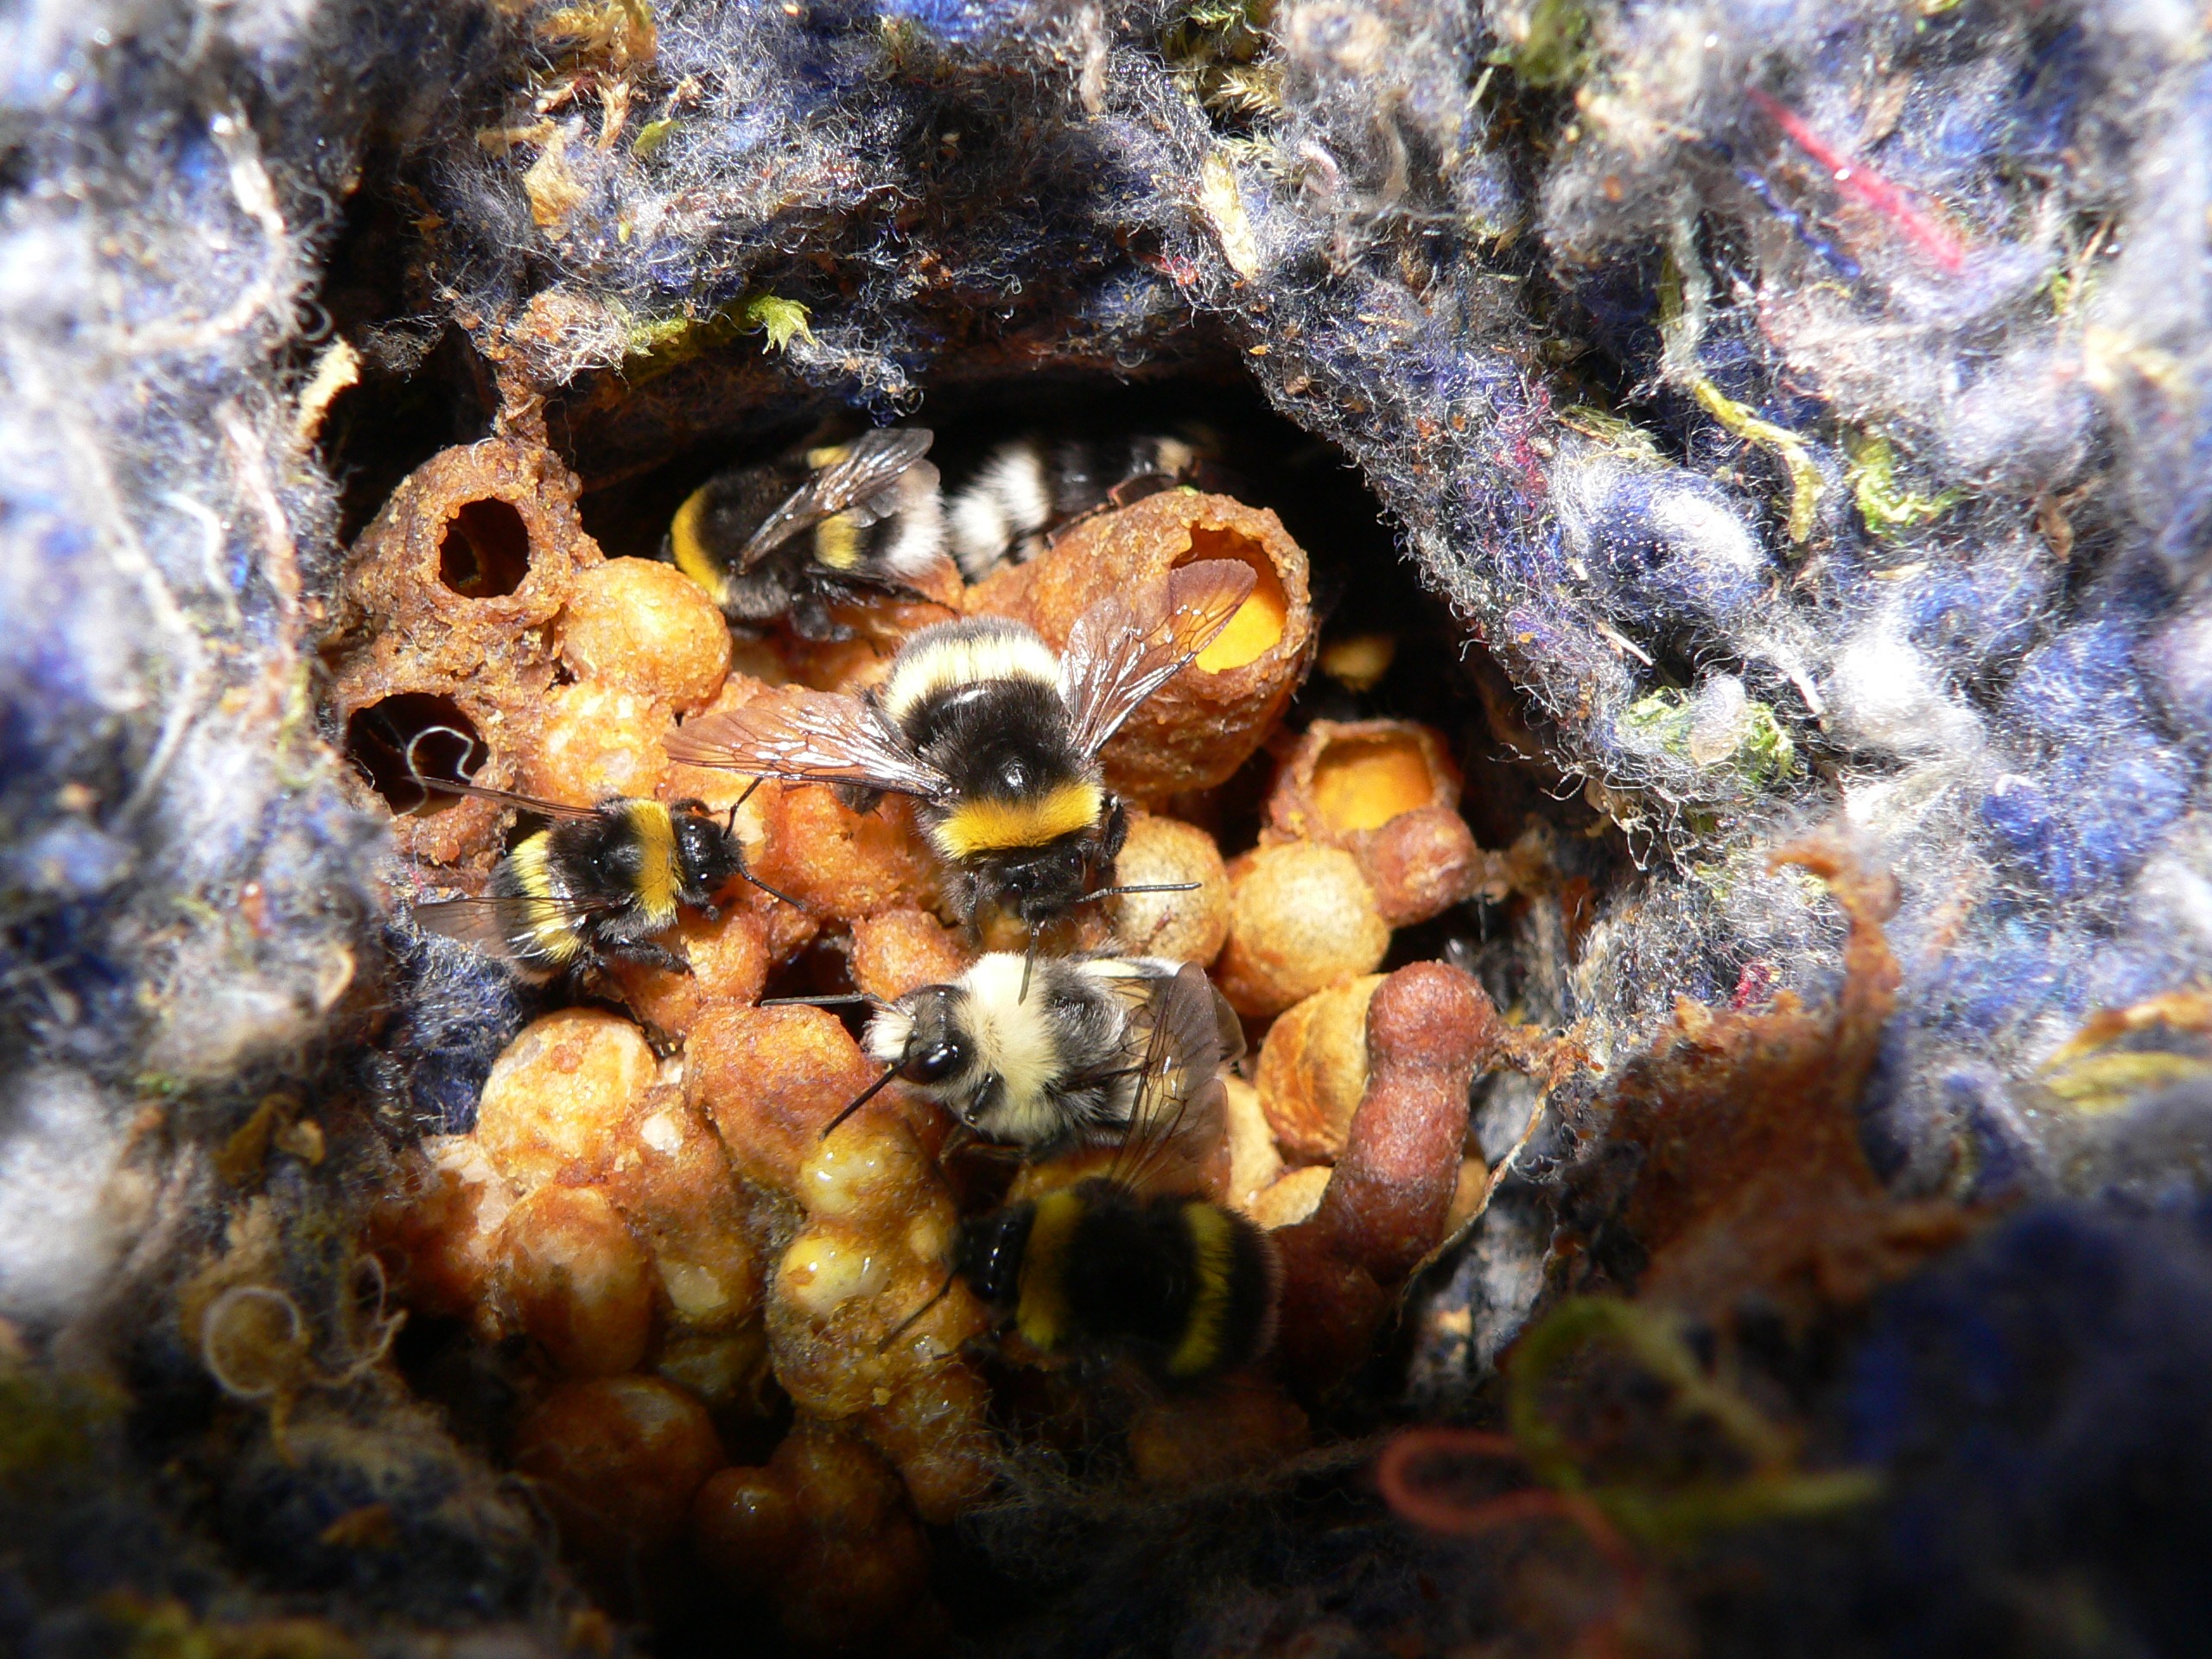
(934, 1063)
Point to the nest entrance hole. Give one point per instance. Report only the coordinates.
(485, 553)
(390, 738)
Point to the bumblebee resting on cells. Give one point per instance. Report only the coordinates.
(1028, 490)
(1139, 1261)
(597, 882)
(995, 737)
(1045, 1056)
(790, 538)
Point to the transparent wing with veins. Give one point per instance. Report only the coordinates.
(863, 481)
(812, 737)
(1116, 658)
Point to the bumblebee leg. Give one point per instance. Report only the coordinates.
(651, 954)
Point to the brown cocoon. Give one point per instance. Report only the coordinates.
(558, 1098)
(1181, 926)
(769, 1079)
(592, 741)
(672, 1180)
(1254, 1163)
(646, 626)
(788, 926)
(576, 1282)
(1313, 1069)
(936, 1431)
(1206, 722)
(1430, 1029)
(1385, 790)
(441, 612)
(839, 862)
(477, 548)
(437, 1233)
(727, 1370)
(861, 1564)
(1301, 917)
(881, 1235)
(900, 950)
(381, 690)
(1197, 1440)
(618, 1459)
(1291, 1198)
(745, 1524)
(729, 963)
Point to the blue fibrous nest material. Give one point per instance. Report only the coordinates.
(1801, 402)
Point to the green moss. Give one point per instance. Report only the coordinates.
(1887, 506)
(1552, 47)
(657, 345)
(1665, 720)
(1219, 51)
(44, 1424)
(783, 321)
(1654, 1503)
(1622, 437)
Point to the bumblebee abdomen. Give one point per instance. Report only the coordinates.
(1185, 1284)
(541, 931)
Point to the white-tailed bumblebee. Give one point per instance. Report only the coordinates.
(596, 882)
(1027, 489)
(1139, 1260)
(995, 737)
(1045, 1055)
(792, 537)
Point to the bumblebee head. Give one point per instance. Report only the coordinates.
(924, 1037)
(1039, 885)
(989, 1253)
(707, 852)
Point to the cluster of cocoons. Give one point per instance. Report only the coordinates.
(646, 1206)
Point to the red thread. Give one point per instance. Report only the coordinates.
(1393, 1476)
(1858, 180)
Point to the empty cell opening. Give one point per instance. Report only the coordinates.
(1257, 627)
(1361, 783)
(389, 740)
(485, 551)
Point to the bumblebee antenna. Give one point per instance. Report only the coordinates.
(773, 893)
(860, 1100)
(827, 1000)
(1028, 965)
(908, 1324)
(1141, 886)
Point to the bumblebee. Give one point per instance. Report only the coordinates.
(793, 537)
(1138, 1260)
(995, 737)
(595, 883)
(1044, 1055)
(1026, 489)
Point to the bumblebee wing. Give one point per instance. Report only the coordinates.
(1176, 1125)
(868, 471)
(1115, 658)
(811, 736)
(508, 797)
(892, 496)
(494, 921)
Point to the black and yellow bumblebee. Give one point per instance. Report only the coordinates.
(1139, 1260)
(995, 737)
(1044, 1055)
(1029, 488)
(792, 537)
(596, 883)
